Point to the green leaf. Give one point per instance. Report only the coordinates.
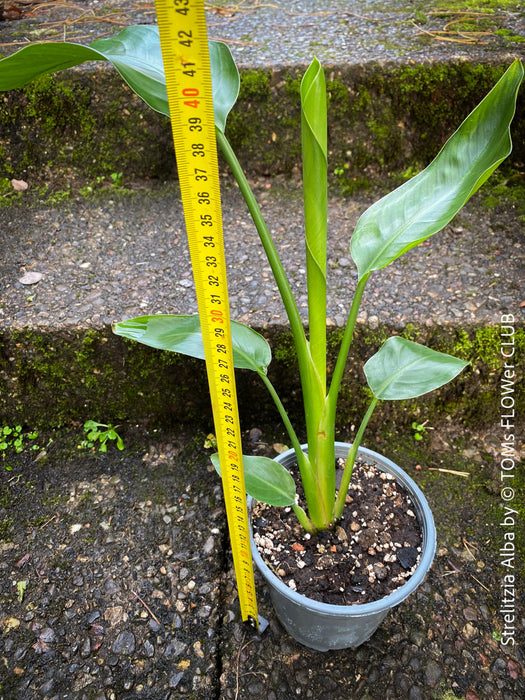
(402, 369)
(183, 334)
(426, 203)
(21, 588)
(314, 149)
(93, 424)
(265, 480)
(38, 59)
(225, 82)
(135, 52)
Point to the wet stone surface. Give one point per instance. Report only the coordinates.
(291, 32)
(122, 595)
(94, 271)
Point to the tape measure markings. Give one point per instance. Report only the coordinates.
(184, 45)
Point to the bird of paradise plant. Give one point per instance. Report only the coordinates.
(409, 215)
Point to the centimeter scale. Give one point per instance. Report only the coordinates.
(184, 45)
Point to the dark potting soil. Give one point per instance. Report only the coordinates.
(371, 551)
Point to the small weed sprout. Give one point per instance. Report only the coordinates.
(116, 179)
(420, 429)
(95, 434)
(21, 589)
(13, 439)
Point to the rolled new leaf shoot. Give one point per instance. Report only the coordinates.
(314, 149)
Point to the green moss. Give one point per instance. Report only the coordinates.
(483, 348)
(55, 129)
(397, 120)
(293, 86)
(505, 189)
(263, 128)
(6, 529)
(509, 36)
(476, 5)
(444, 693)
(95, 375)
(255, 85)
(381, 121)
(5, 186)
(490, 202)
(338, 99)
(283, 350)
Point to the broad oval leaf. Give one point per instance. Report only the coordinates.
(402, 369)
(426, 203)
(136, 54)
(183, 334)
(265, 480)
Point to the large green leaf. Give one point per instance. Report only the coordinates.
(265, 480)
(183, 334)
(426, 203)
(135, 52)
(401, 369)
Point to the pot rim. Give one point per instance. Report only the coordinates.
(428, 547)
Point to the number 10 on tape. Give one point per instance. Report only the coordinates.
(184, 45)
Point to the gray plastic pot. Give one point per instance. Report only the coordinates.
(322, 626)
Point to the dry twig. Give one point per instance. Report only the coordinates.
(147, 608)
(448, 471)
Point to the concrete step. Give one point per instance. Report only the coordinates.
(397, 89)
(110, 259)
(399, 83)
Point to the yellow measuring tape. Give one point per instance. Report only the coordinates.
(184, 44)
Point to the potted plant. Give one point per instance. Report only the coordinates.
(318, 500)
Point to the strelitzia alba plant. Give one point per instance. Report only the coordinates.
(421, 207)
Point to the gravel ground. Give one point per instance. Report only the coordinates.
(95, 271)
(288, 33)
(129, 593)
